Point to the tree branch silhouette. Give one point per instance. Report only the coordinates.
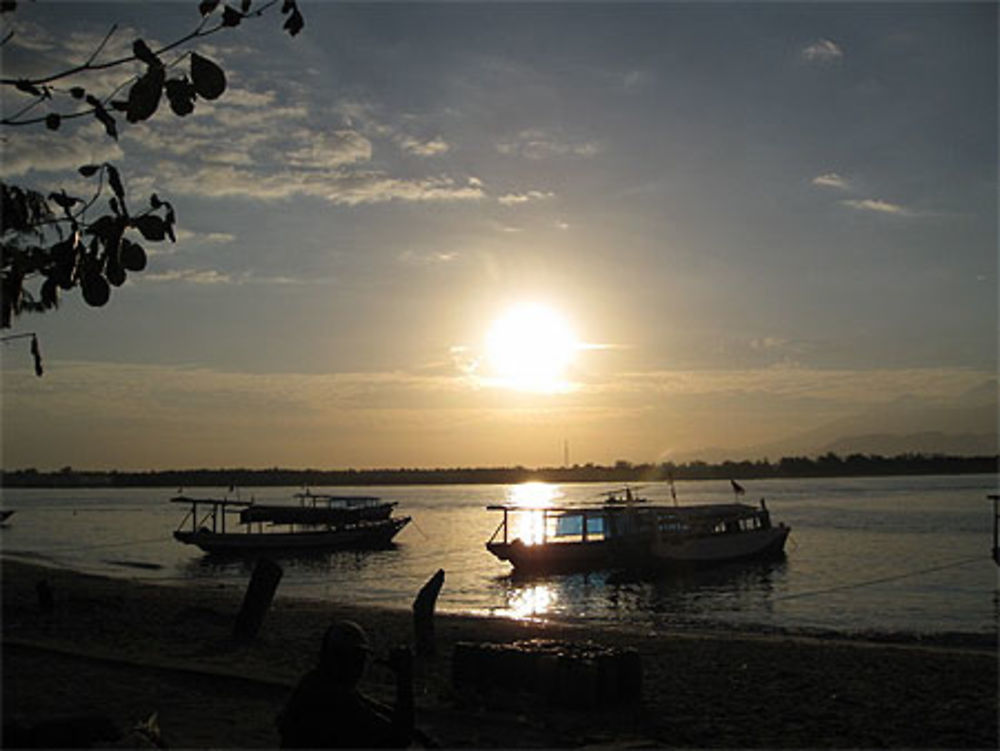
(51, 236)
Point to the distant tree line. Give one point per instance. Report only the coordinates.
(828, 465)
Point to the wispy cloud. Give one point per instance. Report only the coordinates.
(823, 51)
(328, 150)
(212, 238)
(831, 180)
(636, 80)
(535, 143)
(432, 147)
(514, 199)
(342, 187)
(27, 151)
(191, 276)
(414, 258)
(878, 206)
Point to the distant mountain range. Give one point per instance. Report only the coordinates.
(968, 426)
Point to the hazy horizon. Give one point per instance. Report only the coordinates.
(467, 234)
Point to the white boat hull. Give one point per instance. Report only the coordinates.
(720, 548)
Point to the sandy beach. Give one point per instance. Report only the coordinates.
(126, 649)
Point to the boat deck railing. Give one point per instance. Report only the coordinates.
(218, 509)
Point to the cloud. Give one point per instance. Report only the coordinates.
(636, 80)
(768, 343)
(239, 97)
(514, 199)
(37, 151)
(127, 415)
(535, 143)
(212, 238)
(364, 118)
(823, 51)
(340, 187)
(211, 277)
(878, 206)
(191, 276)
(855, 387)
(242, 118)
(413, 258)
(328, 150)
(416, 147)
(830, 180)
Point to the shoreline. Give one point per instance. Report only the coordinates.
(855, 465)
(128, 648)
(973, 640)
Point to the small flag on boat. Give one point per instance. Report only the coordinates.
(737, 488)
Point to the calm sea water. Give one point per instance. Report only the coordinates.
(900, 554)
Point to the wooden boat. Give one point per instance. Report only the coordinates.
(633, 535)
(264, 528)
(321, 508)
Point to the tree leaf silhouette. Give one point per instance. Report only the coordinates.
(294, 23)
(115, 181)
(62, 200)
(133, 256)
(110, 127)
(151, 227)
(49, 292)
(89, 170)
(208, 78)
(114, 273)
(231, 17)
(96, 291)
(144, 96)
(141, 50)
(181, 94)
(53, 121)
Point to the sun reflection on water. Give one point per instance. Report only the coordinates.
(529, 525)
(531, 601)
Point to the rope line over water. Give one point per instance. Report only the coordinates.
(880, 580)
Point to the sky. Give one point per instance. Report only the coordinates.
(703, 230)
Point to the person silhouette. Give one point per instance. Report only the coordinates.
(326, 709)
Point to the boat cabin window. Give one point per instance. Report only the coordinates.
(568, 526)
(733, 526)
(595, 527)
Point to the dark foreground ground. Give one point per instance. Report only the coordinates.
(125, 650)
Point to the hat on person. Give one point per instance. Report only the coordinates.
(346, 636)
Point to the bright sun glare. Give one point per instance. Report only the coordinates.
(529, 348)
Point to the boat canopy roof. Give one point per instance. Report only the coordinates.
(340, 500)
(707, 510)
(213, 501)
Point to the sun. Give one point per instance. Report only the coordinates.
(529, 348)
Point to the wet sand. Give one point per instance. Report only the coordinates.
(126, 649)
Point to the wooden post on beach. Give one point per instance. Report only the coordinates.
(423, 614)
(257, 600)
